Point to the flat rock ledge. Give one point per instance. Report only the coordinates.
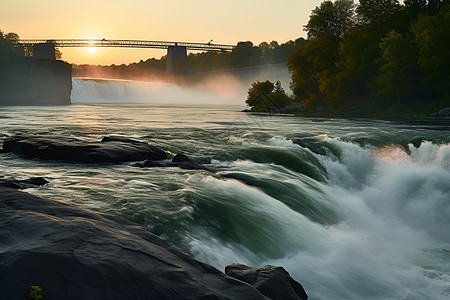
(112, 149)
(77, 254)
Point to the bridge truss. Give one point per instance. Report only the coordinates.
(128, 44)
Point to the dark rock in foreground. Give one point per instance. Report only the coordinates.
(77, 254)
(110, 149)
(273, 282)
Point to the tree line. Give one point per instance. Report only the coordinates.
(245, 54)
(377, 54)
(7, 49)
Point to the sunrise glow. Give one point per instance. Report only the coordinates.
(91, 50)
(148, 20)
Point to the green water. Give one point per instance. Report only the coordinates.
(353, 209)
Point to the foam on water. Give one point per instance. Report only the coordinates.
(353, 209)
(391, 240)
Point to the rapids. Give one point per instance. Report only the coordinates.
(352, 208)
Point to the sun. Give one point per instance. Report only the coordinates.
(91, 49)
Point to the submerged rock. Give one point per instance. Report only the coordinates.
(76, 254)
(180, 160)
(110, 149)
(180, 157)
(273, 282)
(22, 184)
(442, 113)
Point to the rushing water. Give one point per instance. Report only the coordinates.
(353, 209)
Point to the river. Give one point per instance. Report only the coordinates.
(352, 208)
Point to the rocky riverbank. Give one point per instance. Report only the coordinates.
(71, 253)
(31, 81)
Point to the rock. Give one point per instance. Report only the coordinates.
(35, 181)
(272, 282)
(181, 158)
(13, 184)
(445, 112)
(110, 149)
(442, 113)
(22, 184)
(186, 165)
(148, 164)
(76, 254)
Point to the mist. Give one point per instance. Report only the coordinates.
(216, 87)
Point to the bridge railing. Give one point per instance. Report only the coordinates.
(128, 44)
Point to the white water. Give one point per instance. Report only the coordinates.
(392, 242)
(102, 91)
(390, 199)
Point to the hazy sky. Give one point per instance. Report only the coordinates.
(226, 22)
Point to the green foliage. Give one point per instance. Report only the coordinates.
(7, 51)
(266, 96)
(398, 72)
(34, 292)
(432, 38)
(245, 54)
(379, 14)
(332, 19)
(392, 55)
(310, 102)
(257, 91)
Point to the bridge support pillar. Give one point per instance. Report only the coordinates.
(174, 53)
(44, 50)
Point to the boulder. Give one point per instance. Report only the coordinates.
(76, 254)
(273, 282)
(110, 149)
(180, 157)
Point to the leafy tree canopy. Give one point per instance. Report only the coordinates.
(332, 19)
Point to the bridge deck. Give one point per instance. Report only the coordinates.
(129, 44)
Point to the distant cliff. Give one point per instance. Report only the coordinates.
(29, 81)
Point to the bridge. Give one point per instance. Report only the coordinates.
(46, 48)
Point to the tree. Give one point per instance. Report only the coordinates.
(278, 87)
(332, 19)
(245, 54)
(258, 91)
(7, 51)
(432, 39)
(58, 54)
(12, 38)
(266, 96)
(312, 65)
(379, 15)
(399, 77)
(357, 64)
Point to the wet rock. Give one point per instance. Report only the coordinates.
(148, 164)
(272, 282)
(76, 254)
(110, 149)
(180, 161)
(442, 113)
(181, 158)
(22, 184)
